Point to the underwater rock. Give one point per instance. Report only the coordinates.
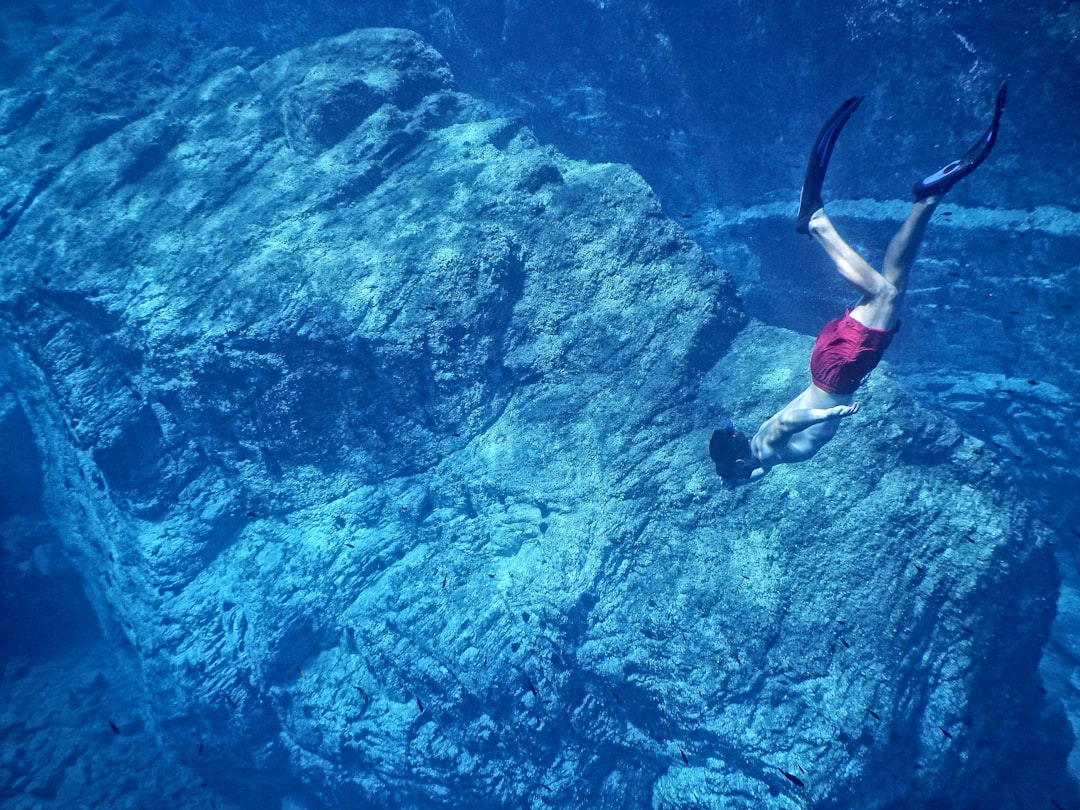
(377, 430)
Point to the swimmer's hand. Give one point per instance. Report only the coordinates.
(840, 411)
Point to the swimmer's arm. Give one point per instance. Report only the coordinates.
(800, 419)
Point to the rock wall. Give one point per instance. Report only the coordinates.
(376, 430)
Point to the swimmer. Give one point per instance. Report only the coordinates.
(848, 348)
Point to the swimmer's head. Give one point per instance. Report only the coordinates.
(730, 450)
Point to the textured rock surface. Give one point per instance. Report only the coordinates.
(377, 430)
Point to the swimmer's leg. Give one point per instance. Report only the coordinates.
(853, 267)
(900, 254)
(819, 161)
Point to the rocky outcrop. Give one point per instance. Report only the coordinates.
(376, 430)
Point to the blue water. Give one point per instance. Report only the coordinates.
(356, 407)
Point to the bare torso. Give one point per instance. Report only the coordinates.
(801, 428)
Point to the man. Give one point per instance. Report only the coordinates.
(849, 348)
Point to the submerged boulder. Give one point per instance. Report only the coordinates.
(378, 431)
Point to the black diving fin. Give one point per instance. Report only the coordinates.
(946, 177)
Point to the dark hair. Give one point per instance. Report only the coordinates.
(728, 446)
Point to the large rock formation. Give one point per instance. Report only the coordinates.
(376, 431)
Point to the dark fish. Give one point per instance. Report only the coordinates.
(792, 778)
(114, 727)
(420, 705)
(532, 687)
(546, 787)
(873, 714)
(301, 671)
(920, 568)
(943, 731)
(200, 748)
(844, 642)
(744, 576)
(363, 694)
(617, 696)
(231, 702)
(350, 545)
(1032, 382)
(682, 754)
(429, 308)
(444, 580)
(738, 660)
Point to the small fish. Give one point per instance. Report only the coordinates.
(230, 701)
(738, 660)
(682, 754)
(744, 576)
(792, 778)
(350, 545)
(844, 642)
(617, 696)
(429, 308)
(301, 671)
(532, 687)
(873, 714)
(485, 660)
(546, 787)
(201, 744)
(920, 569)
(444, 581)
(1032, 382)
(114, 727)
(420, 705)
(948, 736)
(363, 694)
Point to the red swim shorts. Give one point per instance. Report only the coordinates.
(845, 352)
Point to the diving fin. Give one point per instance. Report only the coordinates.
(810, 200)
(946, 177)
